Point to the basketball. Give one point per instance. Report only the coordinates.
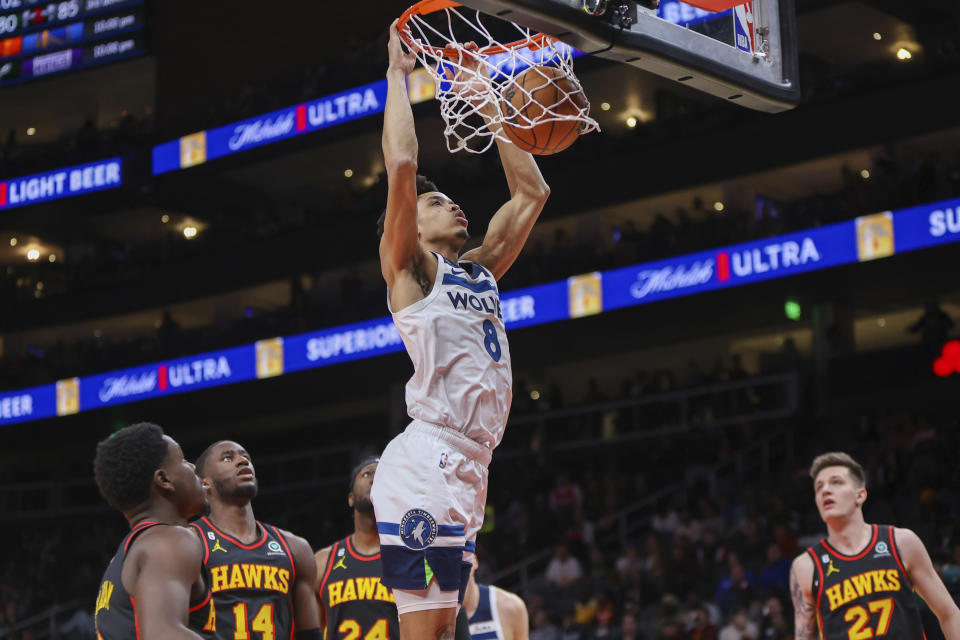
(536, 90)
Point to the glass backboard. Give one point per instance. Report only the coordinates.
(746, 54)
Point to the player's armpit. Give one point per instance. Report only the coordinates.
(927, 583)
(305, 608)
(804, 606)
(169, 562)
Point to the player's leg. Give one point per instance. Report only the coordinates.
(422, 528)
(429, 614)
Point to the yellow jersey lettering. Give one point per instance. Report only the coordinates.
(366, 588)
(219, 578)
(893, 576)
(284, 580)
(835, 597)
(211, 624)
(880, 580)
(270, 578)
(383, 594)
(236, 577)
(863, 584)
(848, 592)
(253, 573)
(103, 597)
(349, 591)
(335, 592)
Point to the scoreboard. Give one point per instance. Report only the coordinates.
(39, 38)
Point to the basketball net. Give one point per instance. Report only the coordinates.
(470, 84)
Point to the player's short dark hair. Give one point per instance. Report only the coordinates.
(838, 459)
(359, 467)
(203, 457)
(125, 462)
(424, 185)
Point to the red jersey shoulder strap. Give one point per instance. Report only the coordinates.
(283, 540)
(137, 529)
(330, 561)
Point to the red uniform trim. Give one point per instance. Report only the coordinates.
(135, 531)
(816, 563)
(326, 573)
(866, 550)
(203, 538)
(256, 544)
(136, 623)
(896, 556)
(358, 556)
(202, 604)
(283, 541)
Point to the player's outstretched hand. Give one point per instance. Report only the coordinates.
(400, 58)
(471, 79)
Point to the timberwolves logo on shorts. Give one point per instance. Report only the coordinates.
(418, 529)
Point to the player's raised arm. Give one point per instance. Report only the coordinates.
(511, 224)
(398, 244)
(927, 583)
(804, 607)
(162, 590)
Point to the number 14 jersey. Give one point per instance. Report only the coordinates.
(250, 584)
(867, 595)
(458, 344)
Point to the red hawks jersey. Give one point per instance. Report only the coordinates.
(457, 341)
(250, 584)
(867, 595)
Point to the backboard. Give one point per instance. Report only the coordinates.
(746, 55)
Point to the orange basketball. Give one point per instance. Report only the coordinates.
(526, 98)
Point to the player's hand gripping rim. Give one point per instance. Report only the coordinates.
(401, 59)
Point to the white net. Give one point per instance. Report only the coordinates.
(476, 84)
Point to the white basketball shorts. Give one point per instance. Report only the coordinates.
(429, 495)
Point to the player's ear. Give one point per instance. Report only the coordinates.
(861, 496)
(161, 479)
(205, 484)
(350, 499)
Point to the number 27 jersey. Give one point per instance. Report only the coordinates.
(458, 344)
(867, 595)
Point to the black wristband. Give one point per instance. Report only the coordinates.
(310, 634)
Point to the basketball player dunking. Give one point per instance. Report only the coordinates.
(431, 485)
(858, 582)
(352, 599)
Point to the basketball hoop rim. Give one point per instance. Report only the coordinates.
(426, 7)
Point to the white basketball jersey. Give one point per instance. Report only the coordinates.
(461, 361)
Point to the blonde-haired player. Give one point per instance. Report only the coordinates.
(858, 582)
(431, 485)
